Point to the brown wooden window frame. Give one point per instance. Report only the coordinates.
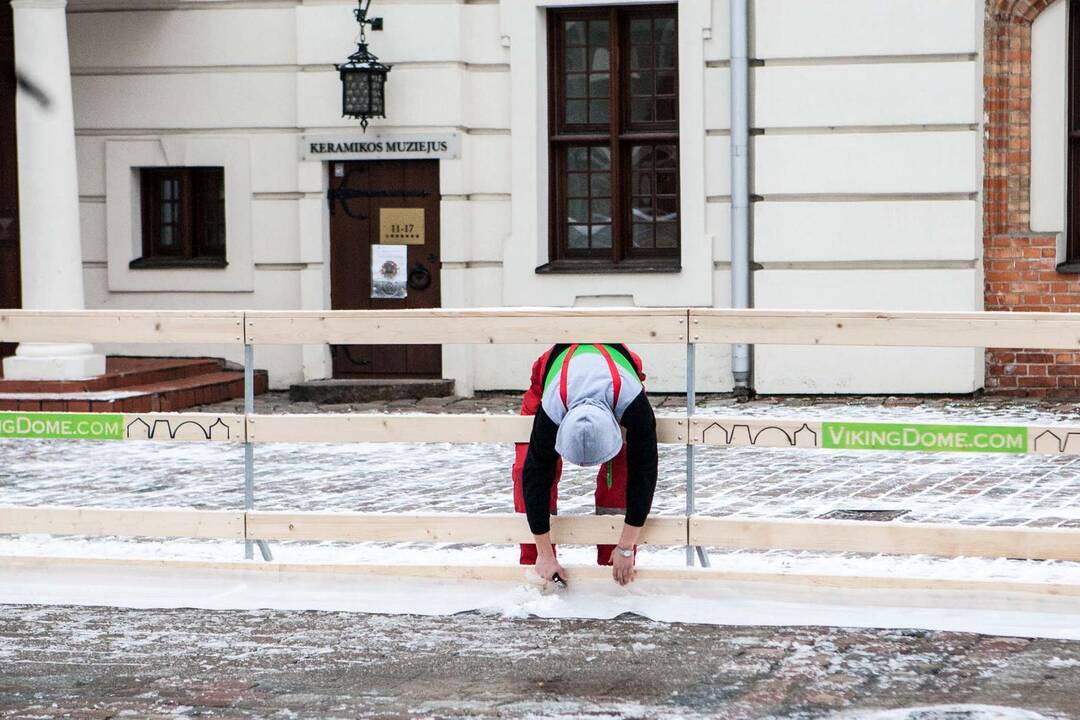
(197, 212)
(621, 136)
(1072, 222)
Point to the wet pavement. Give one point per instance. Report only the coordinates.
(62, 662)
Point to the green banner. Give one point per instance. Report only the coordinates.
(924, 438)
(62, 426)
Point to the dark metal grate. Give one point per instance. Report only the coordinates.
(865, 515)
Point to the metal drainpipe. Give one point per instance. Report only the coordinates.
(740, 184)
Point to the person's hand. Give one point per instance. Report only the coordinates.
(546, 568)
(622, 568)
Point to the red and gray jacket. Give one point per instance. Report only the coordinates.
(607, 374)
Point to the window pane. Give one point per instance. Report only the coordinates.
(601, 211)
(577, 158)
(577, 211)
(600, 184)
(643, 209)
(666, 110)
(576, 86)
(664, 29)
(641, 56)
(601, 58)
(600, 85)
(168, 236)
(600, 111)
(577, 237)
(641, 83)
(641, 109)
(575, 111)
(575, 59)
(667, 235)
(666, 183)
(665, 156)
(575, 32)
(665, 56)
(601, 158)
(598, 32)
(643, 235)
(601, 237)
(577, 185)
(666, 83)
(641, 31)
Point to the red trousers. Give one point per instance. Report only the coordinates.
(610, 499)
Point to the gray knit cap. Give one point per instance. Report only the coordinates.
(589, 434)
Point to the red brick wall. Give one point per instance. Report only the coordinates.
(1019, 264)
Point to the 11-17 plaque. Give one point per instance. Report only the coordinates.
(401, 226)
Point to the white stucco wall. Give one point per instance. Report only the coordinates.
(868, 165)
(869, 168)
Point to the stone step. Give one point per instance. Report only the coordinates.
(163, 396)
(364, 390)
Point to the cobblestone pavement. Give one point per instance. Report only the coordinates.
(60, 662)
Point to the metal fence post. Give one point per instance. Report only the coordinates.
(691, 401)
(249, 450)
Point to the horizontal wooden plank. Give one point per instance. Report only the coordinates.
(127, 326)
(506, 325)
(143, 522)
(913, 329)
(891, 538)
(451, 528)
(415, 428)
(184, 427)
(159, 427)
(829, 434)
(517, 573)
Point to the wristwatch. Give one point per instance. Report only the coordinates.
(625, 552)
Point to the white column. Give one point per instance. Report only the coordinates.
(49, 242)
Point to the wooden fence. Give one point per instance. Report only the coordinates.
(634, 326)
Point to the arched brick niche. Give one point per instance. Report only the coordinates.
(1020, 264)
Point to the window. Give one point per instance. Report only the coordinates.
(614, 138)
(1072, 224)
(183, 217)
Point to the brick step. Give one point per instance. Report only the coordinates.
(122, 373)
(166, 396)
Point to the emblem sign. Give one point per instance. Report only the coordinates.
(388, 272)
(401, 226)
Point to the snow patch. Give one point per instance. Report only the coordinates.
(946, 712)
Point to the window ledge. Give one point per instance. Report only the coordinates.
(160, 263)
(1069, 268)
(601, 267)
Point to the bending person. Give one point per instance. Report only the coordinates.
(580, 395)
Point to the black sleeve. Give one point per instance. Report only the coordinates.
(538, 473)
(641, 459)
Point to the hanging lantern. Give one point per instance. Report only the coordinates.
(363, 77)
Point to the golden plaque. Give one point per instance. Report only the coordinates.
(401, 226)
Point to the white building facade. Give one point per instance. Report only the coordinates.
(866, 164)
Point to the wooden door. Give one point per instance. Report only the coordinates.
(359, 192)
(9, 189)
